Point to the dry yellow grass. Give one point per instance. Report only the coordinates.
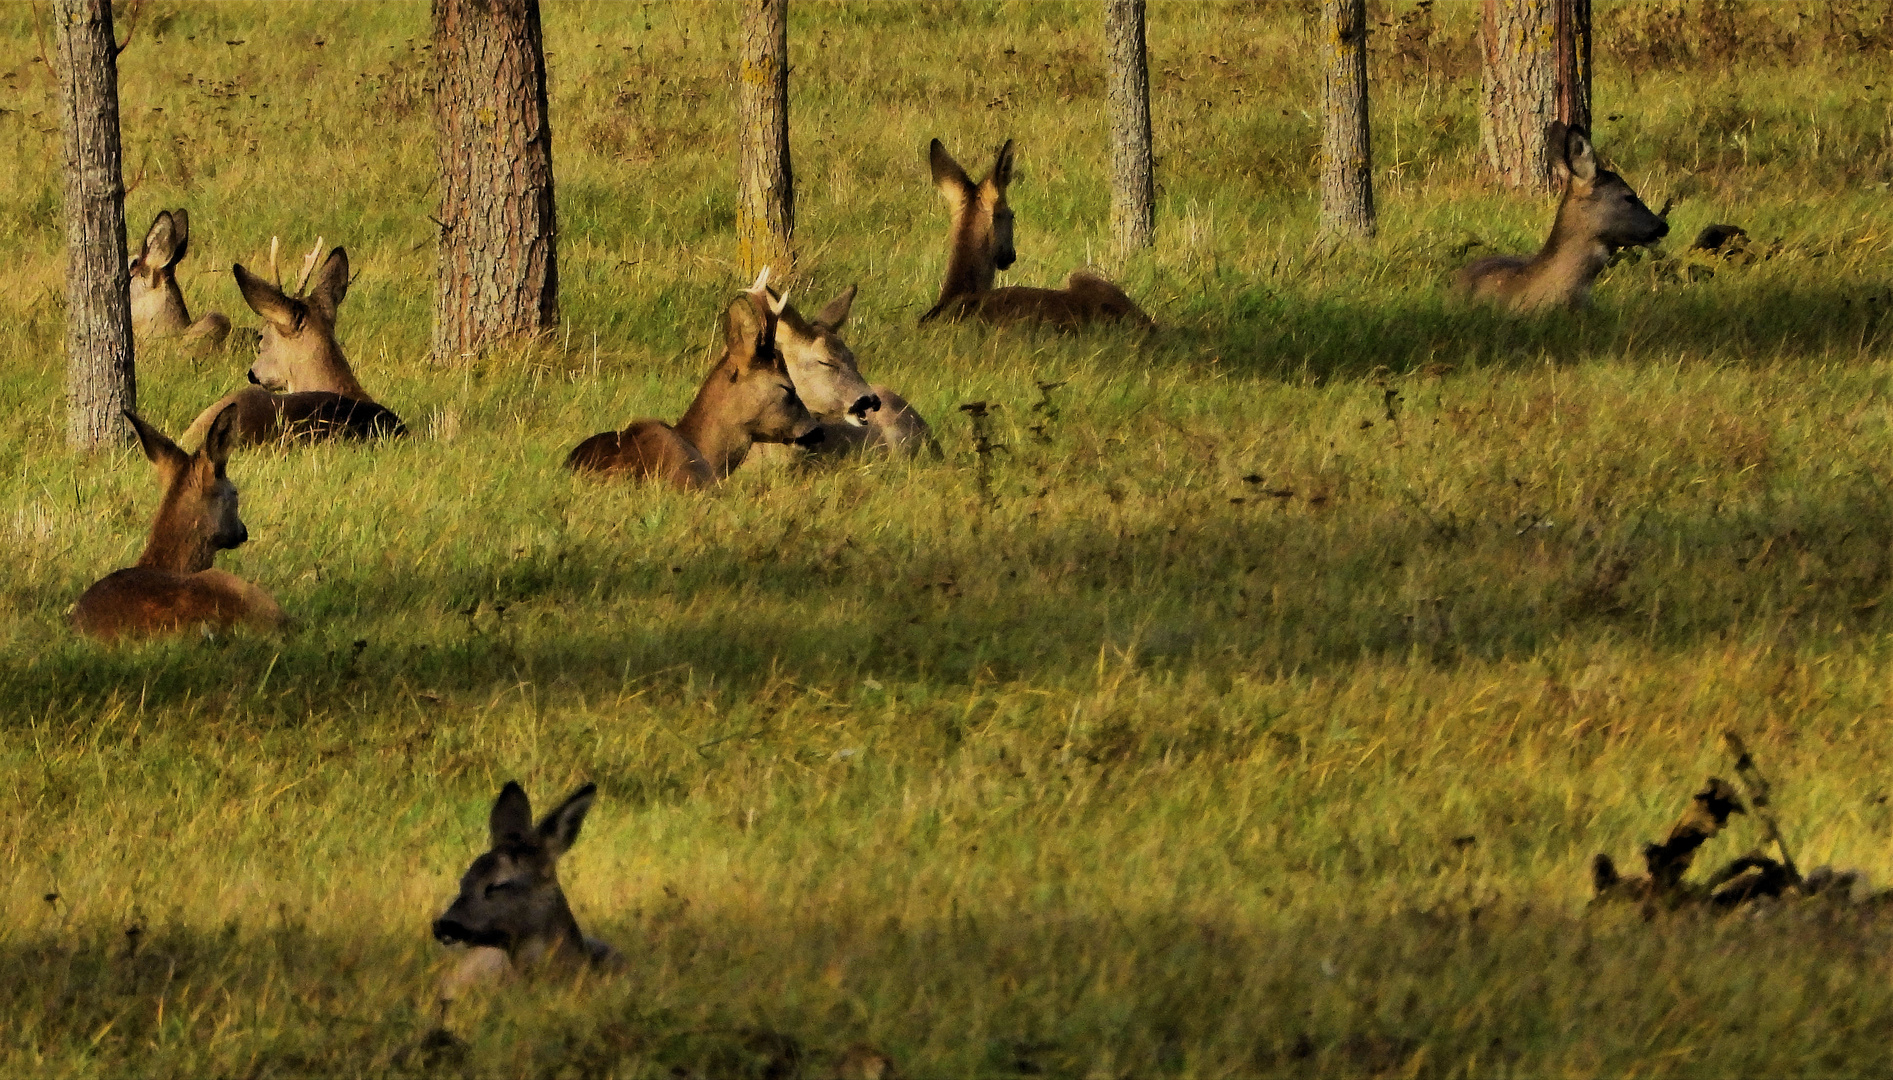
(1139, 766)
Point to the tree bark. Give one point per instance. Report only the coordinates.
(1347, 160)
(498, 269)
(1519, 89)
(1133, 187)
(1574, 62)
(765, 210)
(101, 380)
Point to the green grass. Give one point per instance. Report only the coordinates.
(1130, 769)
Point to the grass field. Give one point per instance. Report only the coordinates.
(1132, 765)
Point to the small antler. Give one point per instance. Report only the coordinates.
(761, 288)
(308, 266)
(275, 272)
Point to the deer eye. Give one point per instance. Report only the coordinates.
(500, 888)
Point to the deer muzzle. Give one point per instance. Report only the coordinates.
(450, 931)
(858, 412)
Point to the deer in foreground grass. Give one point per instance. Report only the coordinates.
(305, 388)
(853, 414)
(980, 243)
(157, 304)
(511, 909)
(1598, 214)
(173, 586)
(748, 398)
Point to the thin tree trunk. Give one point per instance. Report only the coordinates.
(1133, 188)
(1574, 62)
(765, 210)
(498, 270)
(1520, 90)
(101, 380)
(1347, 160)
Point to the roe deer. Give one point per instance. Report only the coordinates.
(174, 586)
(747, 399)
(1598, 214)
(298, 355)
(980, 242)
(157, 304)
(510, 908)
(853, 414)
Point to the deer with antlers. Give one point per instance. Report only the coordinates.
(854, 414)
(305, 387)
(747, 399)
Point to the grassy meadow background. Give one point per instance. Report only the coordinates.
(1257, 714)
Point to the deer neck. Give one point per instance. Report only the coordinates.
(969, 257)
(560, 938)
(161, 308)
(722, 440)
(1570, 260)
(328, 370)
(169, 547)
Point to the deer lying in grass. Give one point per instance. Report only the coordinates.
(748, 398)
(173, 586)
(298, 355)
(980, 243)
(1598, 214)
(157, 304)
(510, 908)
(853, 414)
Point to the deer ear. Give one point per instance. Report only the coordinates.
(331, 284)
(163, 244)
(835, 312)
(159, 449)
(511, 817)
(746, 325)
(181, 219)
(560, 827)
(222, 437)
(267, 300)
(1002, 166)
(1579, 158)
(947, 174)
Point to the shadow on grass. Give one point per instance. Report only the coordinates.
(1262, 588)
(1314, 986)
(1284, 333)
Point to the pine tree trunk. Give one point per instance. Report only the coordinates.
(1347, 161)
(1133, 189)
(765, 210)
(1519, 89)
(101, 381)
(498, 270)
(1574, 62)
